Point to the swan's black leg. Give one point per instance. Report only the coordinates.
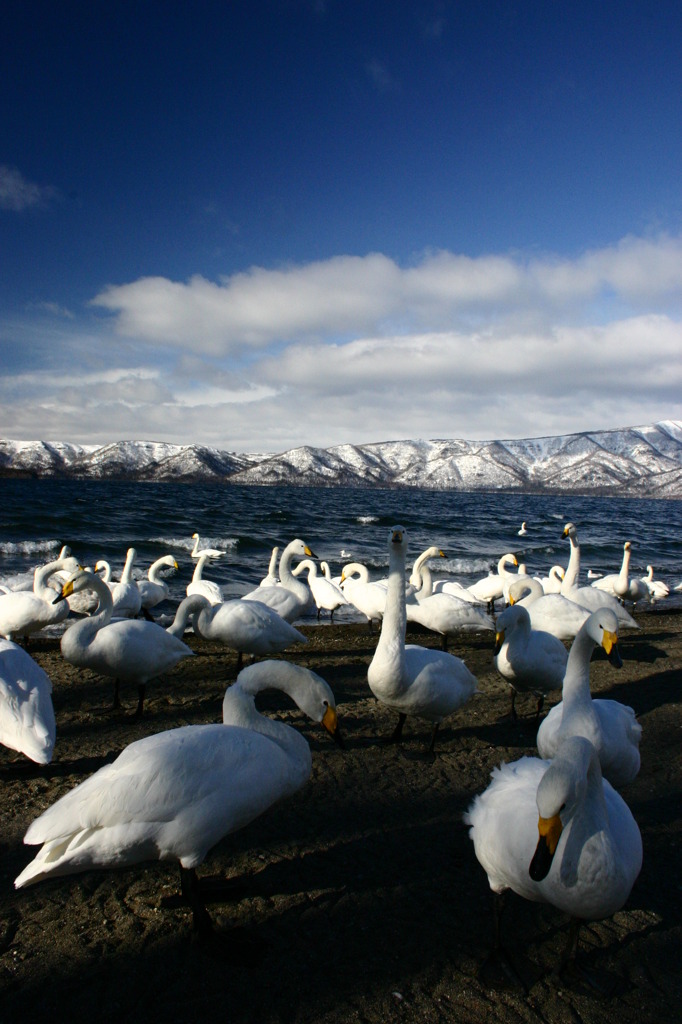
(140, 700)
(397, 734)
(512, 712)
(117, 697)
(191, 895)
(433, 737)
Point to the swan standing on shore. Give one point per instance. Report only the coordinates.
(584, 852)
(207, 588)
(491, 587)
(248, 627)
(620, 585)
(154, 590)
(531, 660)
(552, 613)
(610, 726)
(175, 795)
(406, 678)
(367, 596)
(27, 721)
(132, 650)
(23, 612)
(292, 597)
(327, 595)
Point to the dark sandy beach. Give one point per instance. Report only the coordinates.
(363, 890)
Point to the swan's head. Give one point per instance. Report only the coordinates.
(397, 536)
(569, 530)
(507, 621)
(561, 789)
(299, 547)
(82, 579)
(602, 627)
(627, 546)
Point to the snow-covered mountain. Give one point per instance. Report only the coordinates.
(631, 462)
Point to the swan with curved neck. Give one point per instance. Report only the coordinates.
(154, 589)
(552, 613)
(292, 597)
(248, 627)
(491, 587)
(610, 726)
(132, 650)
(174, 795)
(327, 596)
(367, 596)
(23, 612)
(409, 679)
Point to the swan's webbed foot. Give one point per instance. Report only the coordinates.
(235, 943)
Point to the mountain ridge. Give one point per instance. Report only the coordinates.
(640, 461)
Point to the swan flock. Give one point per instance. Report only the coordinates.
(175, 794)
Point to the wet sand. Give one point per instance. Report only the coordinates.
(362, 892)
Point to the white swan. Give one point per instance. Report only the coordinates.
(620, 585)
(523, 531)
(154, 590)
(175, 795)
(197, 552)
(126, 593)
(609, 725)
(442, 612)
(292, 597)
(327, 596)
(552, 613)
(531, 660)
(589, 597)
(207, 588)
(367, 596)
(271, 579)
(551, 583)
(491, 587)
(658, 590)
(23, 612)
(409, 679)
(557, 833)
(132, 650)
(27, 721)
(248, 627)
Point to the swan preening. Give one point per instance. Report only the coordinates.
(176, 794)
(411, 680)
(24, 612)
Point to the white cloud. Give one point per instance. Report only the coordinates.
(356, 349)
(16, 193)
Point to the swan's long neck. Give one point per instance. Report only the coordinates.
(426, 580)
(286, 576)
(531, 590)
(156, 567)
(624, 573)
(390, 650)
(82, 633)
(43, 573)
(187, 609)
(199, 568)
(239, 706)
(573, 568)
(127, 574)
(576, 685)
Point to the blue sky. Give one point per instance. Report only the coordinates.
(257, 224)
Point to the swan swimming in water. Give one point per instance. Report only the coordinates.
(176, 794)
(197, 552)
(27, 721)
(409, 679)
(154, 590)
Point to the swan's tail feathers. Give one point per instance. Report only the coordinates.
(47, 862)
